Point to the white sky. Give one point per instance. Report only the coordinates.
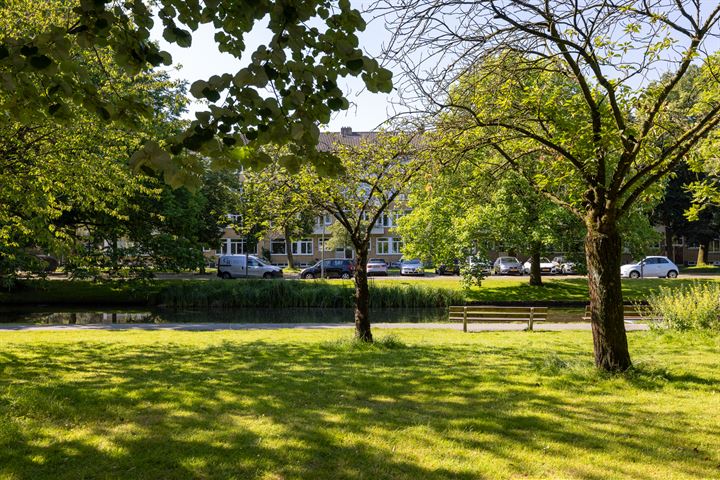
(202, 60)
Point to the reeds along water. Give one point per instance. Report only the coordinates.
(302, 294)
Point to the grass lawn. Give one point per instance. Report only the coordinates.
(305, 404)
(561, 290)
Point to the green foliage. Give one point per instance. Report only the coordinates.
(693, 307)
(287, 86)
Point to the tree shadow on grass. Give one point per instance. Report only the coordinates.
(271, 410)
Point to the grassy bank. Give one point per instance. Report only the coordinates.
(385, 293)
(309, 404)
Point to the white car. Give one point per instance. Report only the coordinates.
(546, 266)
(233, 266)
(562, 265)
(377, 266)
(650, 267)
(412, 267)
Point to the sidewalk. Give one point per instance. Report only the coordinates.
(203, 327)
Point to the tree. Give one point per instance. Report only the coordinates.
(373, 173)
(557, 84)
(464, 208)
(288, 86)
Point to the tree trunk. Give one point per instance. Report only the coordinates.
(669, 250)
(535, 274)
(288, 247)
(362, 296)
(702, 256)
(603, 252)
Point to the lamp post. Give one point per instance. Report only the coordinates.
(322, 249)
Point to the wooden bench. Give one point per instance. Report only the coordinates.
(493, 314)
(631, 313)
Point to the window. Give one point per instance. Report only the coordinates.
(715, 246)
(383, 246)
(389, 246)
(397, 245)
(237, 247)
(302, 247)
(694, 245)
(328, 219)
(387, 220)
(662, 260)
(234, 218)
(277, 246)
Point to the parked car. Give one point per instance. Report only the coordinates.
(377, 266)
(485, 265)
(448, 268)
(564, 266)
(650, 267)
(507, 266)
(412, 267)
(332, 267)
(546, 266)
(233, 266)
(396, 264)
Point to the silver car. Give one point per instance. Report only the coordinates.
(507, 266)
(412, 267)
(233, 266)
(377, 266)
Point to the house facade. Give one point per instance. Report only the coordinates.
(385, 243)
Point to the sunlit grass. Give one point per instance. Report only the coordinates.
(312, 404)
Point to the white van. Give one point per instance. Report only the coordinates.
(233, 266)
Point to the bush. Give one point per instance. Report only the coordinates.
(696, 307)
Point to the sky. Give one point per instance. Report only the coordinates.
(202, 60)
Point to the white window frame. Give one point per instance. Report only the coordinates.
(237, 246)
(714, 246)
(303, 247)
(397, 244)
(382, 245)
(277, 241)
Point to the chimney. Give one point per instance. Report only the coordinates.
(346, 131)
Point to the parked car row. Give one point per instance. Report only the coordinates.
(238, 266)
(512, 266)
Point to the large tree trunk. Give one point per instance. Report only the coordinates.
(362, 296)
(603, 251)
(288, 247)
(535, 274)
(702, 257)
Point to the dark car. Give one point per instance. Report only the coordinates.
(448, 268)
(333, 267)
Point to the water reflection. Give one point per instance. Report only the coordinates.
(87, 317)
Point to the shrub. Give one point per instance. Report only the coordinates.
(696, 307)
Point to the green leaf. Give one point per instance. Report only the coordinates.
(40, 62)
